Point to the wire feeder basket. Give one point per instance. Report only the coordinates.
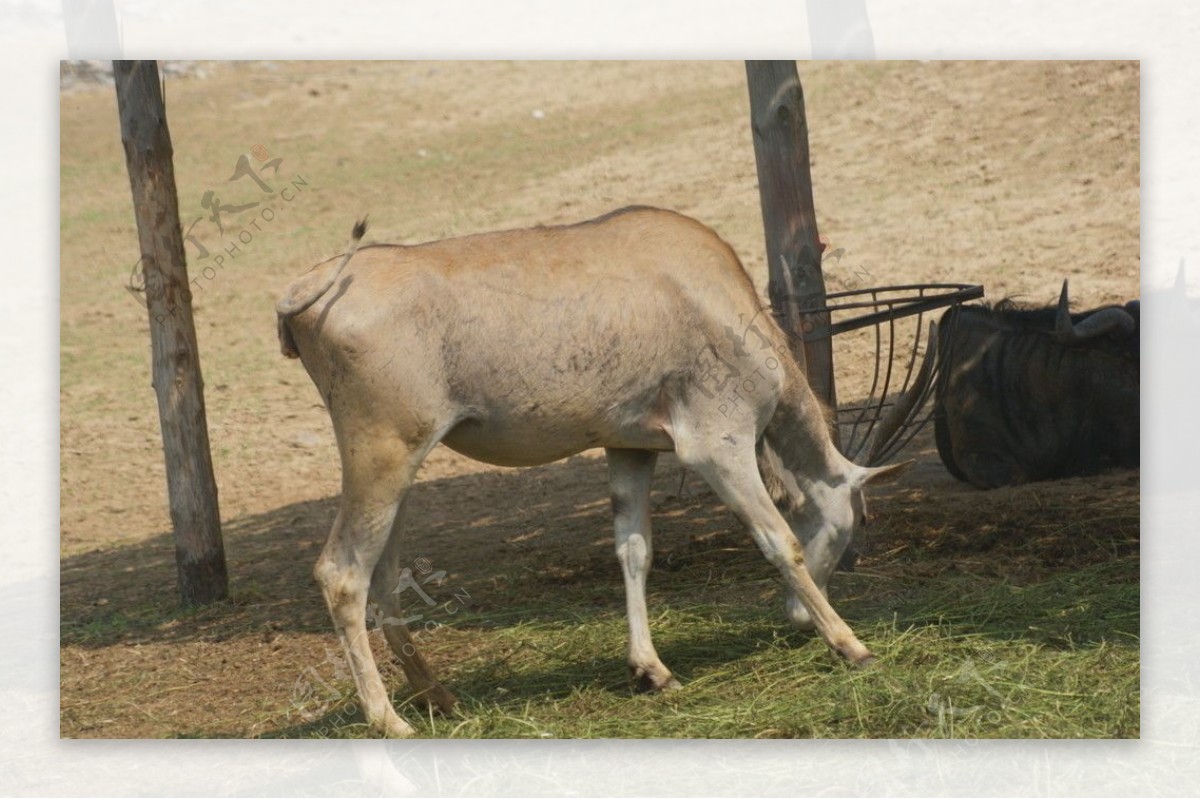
(895, 322)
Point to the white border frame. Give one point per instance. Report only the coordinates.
(32, 759)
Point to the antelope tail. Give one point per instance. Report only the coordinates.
(302, 294)
(300, 297)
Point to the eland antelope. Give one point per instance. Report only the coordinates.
(639, 332)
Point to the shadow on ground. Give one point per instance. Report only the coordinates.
(549, 523)
(537, 542)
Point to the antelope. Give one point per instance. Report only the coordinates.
(639, 332)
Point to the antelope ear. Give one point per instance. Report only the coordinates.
(881, 474)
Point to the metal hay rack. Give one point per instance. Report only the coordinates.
(892, 321)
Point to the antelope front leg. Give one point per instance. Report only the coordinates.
(733, 474)
(821, 614)
(630, 472)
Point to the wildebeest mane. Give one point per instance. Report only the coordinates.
(1017, 316)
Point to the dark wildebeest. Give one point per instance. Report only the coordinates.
(1037, 394)
(527, 346)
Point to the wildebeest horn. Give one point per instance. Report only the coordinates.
(903, 407)
(1108, 320)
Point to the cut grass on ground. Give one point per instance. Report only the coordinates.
(1010, 663)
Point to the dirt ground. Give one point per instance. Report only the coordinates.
(1013, 175)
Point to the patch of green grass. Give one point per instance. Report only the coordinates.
(108, 623)
(99, 627)
(961, 659)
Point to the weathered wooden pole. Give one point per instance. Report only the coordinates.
(796, 286)
(191, 488)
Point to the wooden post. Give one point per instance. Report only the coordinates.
(191, 488)
(796, 286)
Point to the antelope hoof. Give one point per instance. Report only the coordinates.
(395, 727)
(653, 680)
(866, 661)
